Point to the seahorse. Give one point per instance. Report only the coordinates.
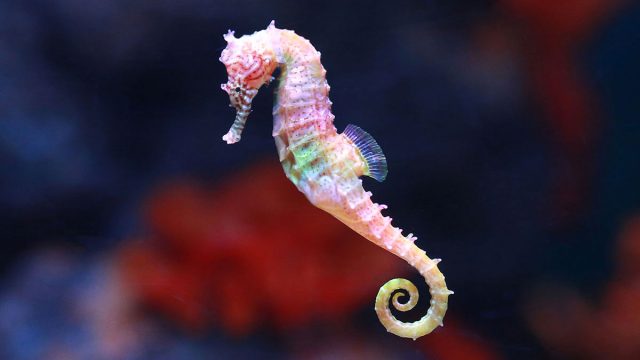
(324, 165)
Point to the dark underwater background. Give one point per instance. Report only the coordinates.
(130, 230)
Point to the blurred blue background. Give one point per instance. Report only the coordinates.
(511, 131)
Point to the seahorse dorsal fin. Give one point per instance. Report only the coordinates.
(370, 151)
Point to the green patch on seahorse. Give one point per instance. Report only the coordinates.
(306, 152)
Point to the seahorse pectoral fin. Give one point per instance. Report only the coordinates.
(370, 151)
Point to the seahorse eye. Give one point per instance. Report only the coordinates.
(238, 89)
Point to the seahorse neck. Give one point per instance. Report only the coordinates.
(302, 109)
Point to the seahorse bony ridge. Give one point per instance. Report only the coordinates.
(323, 164)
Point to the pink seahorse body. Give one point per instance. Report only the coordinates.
(323, 164)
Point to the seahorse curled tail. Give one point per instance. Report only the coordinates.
(392, 290)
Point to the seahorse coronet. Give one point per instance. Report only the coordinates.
(324, 165)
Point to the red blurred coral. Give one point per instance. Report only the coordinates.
(248, 251)
(554, 33)
(569, 324)
(458, 343)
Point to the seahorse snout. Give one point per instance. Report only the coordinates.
(240, 98)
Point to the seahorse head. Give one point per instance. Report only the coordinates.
(250, 61)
